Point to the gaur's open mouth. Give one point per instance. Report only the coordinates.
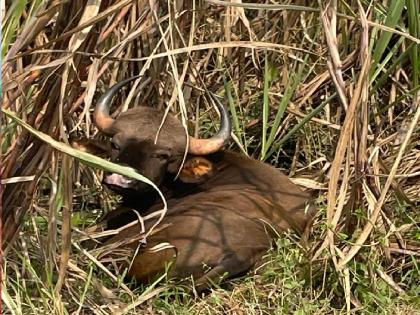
(118, 181)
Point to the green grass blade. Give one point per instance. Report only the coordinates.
(233, 113)
(266, 107)
(294, 81)
(385, 75)
(285, 100)
(381, 66)
(414, 28)
(12, 24)
(393, 16)
(300, 125)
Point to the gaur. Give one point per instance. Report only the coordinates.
(224, 209)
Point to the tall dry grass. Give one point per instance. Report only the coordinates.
(329, 91)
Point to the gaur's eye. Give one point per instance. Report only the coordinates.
(162, 154)
(115, 146)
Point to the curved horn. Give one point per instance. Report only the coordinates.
(215, 143)
(101, 115)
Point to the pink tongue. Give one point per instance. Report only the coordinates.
(118, 180)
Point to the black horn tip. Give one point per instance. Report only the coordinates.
(101, 114)
(225, 122)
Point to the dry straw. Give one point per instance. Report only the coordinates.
(329, 91)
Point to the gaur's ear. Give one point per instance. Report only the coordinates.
(93, 146)
(196, 170)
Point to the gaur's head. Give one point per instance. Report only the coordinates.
(144, 139)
